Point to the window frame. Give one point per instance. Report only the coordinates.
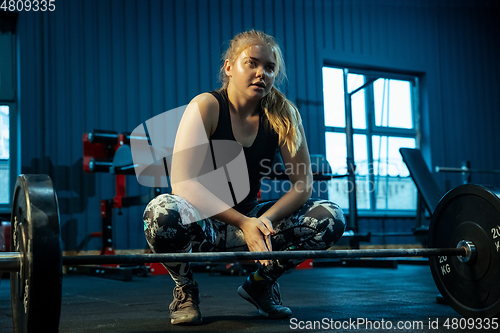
(8, 97)
(372, 129)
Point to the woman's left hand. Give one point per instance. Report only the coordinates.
(257, 233)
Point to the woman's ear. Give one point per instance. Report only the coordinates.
(227, 67)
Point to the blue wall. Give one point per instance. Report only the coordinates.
(112, 64)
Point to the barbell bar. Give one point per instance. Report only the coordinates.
(464, 253)
(464, 169)
(11, 261)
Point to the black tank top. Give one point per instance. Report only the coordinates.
(259, 156)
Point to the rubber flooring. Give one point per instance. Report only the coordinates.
(323, 299)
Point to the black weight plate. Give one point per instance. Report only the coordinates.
(36, 288)
(468, 212)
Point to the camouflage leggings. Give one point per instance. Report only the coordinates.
(317, 225)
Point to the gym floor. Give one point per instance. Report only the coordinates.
(332, 296)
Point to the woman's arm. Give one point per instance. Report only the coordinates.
(192, 157)
(298, 169)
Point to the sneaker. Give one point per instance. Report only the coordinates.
(265, 295)
(184, 308)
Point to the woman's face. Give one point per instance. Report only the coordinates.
(254, 71)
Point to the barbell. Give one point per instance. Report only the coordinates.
(464, 253)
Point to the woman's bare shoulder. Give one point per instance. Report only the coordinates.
(206, 101)
(208, 106)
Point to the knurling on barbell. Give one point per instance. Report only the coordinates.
(464, 237)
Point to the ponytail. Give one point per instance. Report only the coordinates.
(284, 118)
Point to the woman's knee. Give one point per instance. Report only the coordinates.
(330, 220)
(162, 211)
(163, 225)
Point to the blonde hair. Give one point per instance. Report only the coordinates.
(283, 115)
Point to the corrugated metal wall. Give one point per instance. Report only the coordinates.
(112, 64)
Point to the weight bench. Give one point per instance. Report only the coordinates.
(421, 175)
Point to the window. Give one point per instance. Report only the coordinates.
(8, 115)
(383, 108)
(4, 154)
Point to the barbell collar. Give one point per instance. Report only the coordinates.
(235, 256)
(10, 261)
(470, 249)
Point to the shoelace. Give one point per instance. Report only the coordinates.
(182, 299)
(273, 290)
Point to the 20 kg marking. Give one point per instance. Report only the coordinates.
(445, 269)
(496, 234)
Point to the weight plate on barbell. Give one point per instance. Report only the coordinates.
(468, 212)
(36, 289)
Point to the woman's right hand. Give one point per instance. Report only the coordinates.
(257, 234)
